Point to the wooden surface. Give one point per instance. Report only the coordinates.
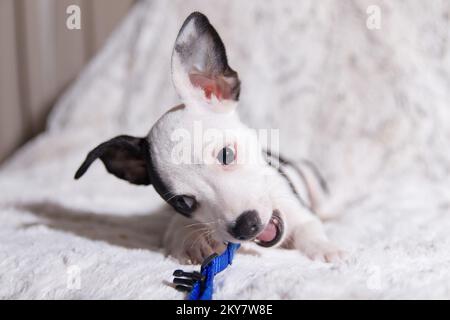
(39, 57)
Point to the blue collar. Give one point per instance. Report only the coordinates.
(200, 285)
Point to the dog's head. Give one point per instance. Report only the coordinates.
(198, 156)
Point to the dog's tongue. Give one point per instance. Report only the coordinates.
(269, 233)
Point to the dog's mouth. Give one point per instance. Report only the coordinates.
(272, 233)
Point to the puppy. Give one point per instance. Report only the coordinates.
(225, 186)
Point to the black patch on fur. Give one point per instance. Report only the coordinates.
(270, 157)
(176, 201)
(129, 158)
(216, 49)
(289, 181)
(123, 156)
(322, 182)
(206, 41)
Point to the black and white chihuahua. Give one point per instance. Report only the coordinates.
(230, 190)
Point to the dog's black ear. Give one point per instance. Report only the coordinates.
(199, 61)
(125, 157)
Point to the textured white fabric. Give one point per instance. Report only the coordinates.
(369, 107)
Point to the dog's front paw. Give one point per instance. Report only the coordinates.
(323, 251)
(195, 251)
(193, 248)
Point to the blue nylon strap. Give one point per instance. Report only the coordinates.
(203, 290)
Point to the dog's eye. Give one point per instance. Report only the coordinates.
(184, 204)
(226, 156)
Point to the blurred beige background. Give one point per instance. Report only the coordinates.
(39, 57)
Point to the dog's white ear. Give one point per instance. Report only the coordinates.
(200, 69)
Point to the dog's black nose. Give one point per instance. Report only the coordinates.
(246, 226)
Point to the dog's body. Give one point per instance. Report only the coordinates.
(225, 186)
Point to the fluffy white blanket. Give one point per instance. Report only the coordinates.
(369, 107)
